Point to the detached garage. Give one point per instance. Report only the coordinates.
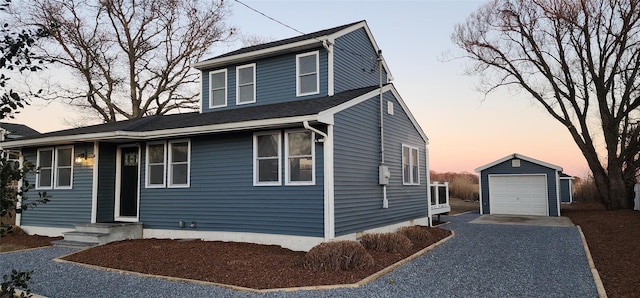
(520, 185)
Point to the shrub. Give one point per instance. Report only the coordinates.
(416, 233)
(387, 242)
(338, 255)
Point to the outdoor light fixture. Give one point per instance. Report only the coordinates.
(81, 157)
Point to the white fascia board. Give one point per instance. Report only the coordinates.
(211, 63)
(408, 112)
(184, 131)
(326, 116)
(518, 156)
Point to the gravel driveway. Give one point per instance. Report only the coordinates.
(480, 261)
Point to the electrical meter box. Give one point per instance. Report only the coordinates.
(384, 174)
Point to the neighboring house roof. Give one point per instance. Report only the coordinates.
(198, 123)
(14, 130)
(565, 176)
(298, 43)
(518, 156)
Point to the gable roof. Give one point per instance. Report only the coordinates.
(259, 116)
(288, 45)
(15, 130)
(518, 156)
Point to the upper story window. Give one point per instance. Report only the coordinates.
(218, 88)
(307, 78)
(55, 168)
(410, 168)
(246, 84)
(266, 156)
(300, 157)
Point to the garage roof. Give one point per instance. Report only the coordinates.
(518, 156)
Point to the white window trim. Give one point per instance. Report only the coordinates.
(53, 153)
(411, 149)
(255, 159)
(253, 65)
(148, 164)
(317, 54)
(286, 158)
(211, 74)
(55, 167)
(170, 163)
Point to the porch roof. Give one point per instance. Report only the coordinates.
(158, 126)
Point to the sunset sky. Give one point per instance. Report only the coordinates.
(466, 130)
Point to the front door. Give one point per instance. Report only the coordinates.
(128, 177)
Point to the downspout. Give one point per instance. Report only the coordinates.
(383, 168)
(329, 213)
(328, 45)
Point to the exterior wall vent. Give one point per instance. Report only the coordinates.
(515, 163)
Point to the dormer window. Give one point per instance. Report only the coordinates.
(307, 77)
(246, 84)
(218, 85)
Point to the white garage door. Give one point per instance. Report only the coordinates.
(518, 194)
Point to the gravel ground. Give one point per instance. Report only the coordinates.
(480, 261)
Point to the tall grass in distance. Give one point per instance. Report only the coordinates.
(585, 190)
(461, 185)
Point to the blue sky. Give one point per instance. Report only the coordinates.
(466, 130)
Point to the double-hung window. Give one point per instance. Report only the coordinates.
(44, 179)
(218, 88)
(410, 169)
(55, 168)
(300, 158)
(179, 163)
(155, 164)
(246, 84)
(168, 161)
(266, 157)
(307, 78)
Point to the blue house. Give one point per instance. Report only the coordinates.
(520, 185)
(297, 142)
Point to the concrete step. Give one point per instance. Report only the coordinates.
(75, 244)
(89, 237)
(101, 227)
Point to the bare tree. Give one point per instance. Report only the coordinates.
(131, 58)
(580, 60)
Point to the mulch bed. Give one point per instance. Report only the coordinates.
(23, 241)
(241, 264)
(614, 241)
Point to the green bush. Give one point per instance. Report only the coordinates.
(338, 255)
(387, 242)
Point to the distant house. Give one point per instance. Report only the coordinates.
(297, 142)
(12, 131)
(520, 185)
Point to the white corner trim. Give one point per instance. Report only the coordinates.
(94, 187)
(297, 243)
(329, 182)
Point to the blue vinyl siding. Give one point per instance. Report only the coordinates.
(355, 62)
(222, 196)
(358, 196)
(565, 190)
(276, 81)
(106, 182)
(526, 168)
(67, 206)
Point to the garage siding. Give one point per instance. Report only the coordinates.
(525, 168)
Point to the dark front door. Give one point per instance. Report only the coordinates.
(129, 182)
